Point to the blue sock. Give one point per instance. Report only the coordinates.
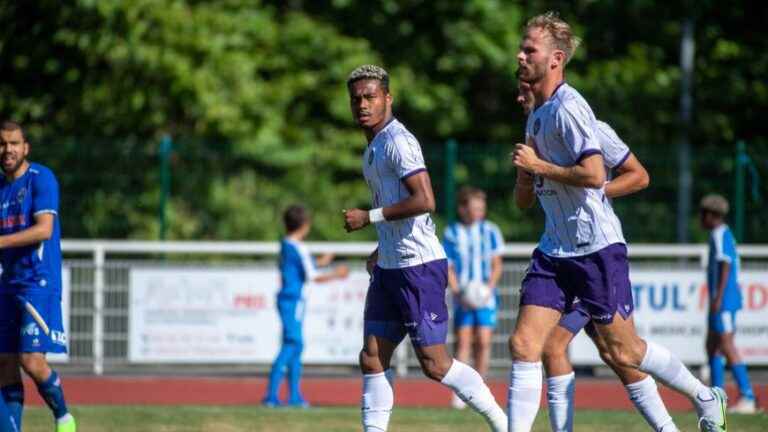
(739, 372)
(53, 395)
(278, 369)
(7, 422)
(14, 400)
(717, 371)
(294, 375)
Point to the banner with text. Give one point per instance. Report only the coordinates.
(671, 309)
(192, 315)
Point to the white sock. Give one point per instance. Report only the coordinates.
(377, 402)
(470, 387)
(645, 395)
(524, 395)
(668, 369)
(560, 399)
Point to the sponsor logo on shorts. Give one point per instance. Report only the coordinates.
(411, 324)
(30, 329)
(432, 316)
(626, 308)
(59, 338)
(603, 317)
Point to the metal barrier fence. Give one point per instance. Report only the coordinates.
(99, 285)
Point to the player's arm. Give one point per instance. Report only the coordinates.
(717, 301)
(588, 172)
(40, 231)
(419, 201)
(524, 194)
(496, 267)
(338, 272)
(632, 178)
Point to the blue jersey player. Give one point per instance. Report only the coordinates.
(725, 302)
(296, 269)
(30, 284)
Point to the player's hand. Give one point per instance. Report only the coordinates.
(524, 157)
(324, 259)
(355, 219)
(341, 271)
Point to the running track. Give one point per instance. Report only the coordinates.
(89, 390)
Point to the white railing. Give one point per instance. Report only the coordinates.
(99, 250)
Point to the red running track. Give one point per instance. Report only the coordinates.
(590, 393)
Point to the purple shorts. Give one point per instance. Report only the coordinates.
(408, 300)
(599, 280)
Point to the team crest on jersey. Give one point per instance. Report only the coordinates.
(370, 157)
(21, 195)
(536, 126)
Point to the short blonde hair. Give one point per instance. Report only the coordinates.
(559, 31)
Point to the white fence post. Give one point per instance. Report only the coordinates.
(98, 309)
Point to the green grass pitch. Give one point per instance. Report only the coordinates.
(347, 419)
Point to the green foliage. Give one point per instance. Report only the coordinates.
(253, 94)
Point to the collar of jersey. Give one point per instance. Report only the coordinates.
(559, 86)
(386, 126)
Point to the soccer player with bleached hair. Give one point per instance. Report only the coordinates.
(582, 252)
(408, 269)
(641, 388)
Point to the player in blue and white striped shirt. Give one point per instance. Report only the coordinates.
(474, 246)
(582, 253)
(724, 302)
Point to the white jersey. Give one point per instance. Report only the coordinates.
(392, 156)
(579, 220)
(615, 151)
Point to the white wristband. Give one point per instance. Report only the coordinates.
(376, 215)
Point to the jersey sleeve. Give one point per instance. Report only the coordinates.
(497, 241)
(615, 151)
(404, 155)
(719, 239)
(450, 244)
(45, 193)
(575, 123)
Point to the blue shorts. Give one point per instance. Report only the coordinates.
(408, 300)
(292, 316)
(483, 317)
(722, 322)
(20, 333)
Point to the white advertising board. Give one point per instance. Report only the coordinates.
(197, 315)
(671, 309)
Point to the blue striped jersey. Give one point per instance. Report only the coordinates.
(471, 248)
(393, 156)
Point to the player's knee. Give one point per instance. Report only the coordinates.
(369, 363)
(624, 356)
(524, 347)
(434, 369)
(35, 365)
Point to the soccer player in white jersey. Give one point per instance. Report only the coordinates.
(409, 268)
(641, 387)
(582, 253)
